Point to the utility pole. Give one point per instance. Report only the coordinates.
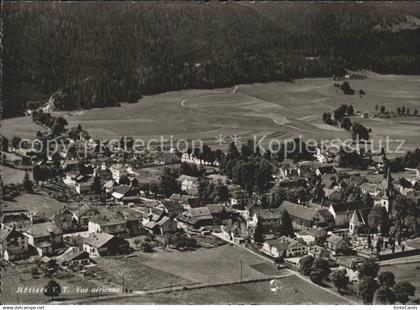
(241, 270)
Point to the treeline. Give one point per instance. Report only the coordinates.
(100, 54)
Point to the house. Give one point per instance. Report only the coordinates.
(271, 219)
(323, 170)
(158, 222)
(16, 217)
(240, 198)
(120, 191)
(312, 235)
(372, 189)
(285, 247)
(336, 244)
(103, 244)
(73, 256)
(235, 230)
(83, 214)
(318, 251)
(358, 223)
(110, 222)
(64, 219)
(218, 179)
(195, 218)
(13, 244)
(84, 187)
(220, 212)
(45, 238)
(303, 216)
(118, 171)
(188, 184)
(187, 201)
(172, 208)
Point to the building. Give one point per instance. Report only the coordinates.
(112, 222)
(271, 219)
(187, 201)
(13, 244)
(336, 244)
(240, 198)
(188, 184)
(16, 217)
(312, 235)
(158, 222)
(46, 238)
(358, 223)
(285, 247)
(73, 257)
(103, 244)
(118, 171)
(195, 218)
(303, 216)
(83, 214)
(64, 219)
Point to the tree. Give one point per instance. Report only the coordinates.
(146, 247)
(366, 289)
(52, 289)
(340, 279)
(350, 110)
(416, 112)
(378, 218)
(376, 107)
(382, 109)
(305, 264)
(259, 233)
(346, 123)
(398, 110)
(58, 125)
(384, 295)
(167, 184)
(408, 111)
(16, 142)
(27, 183)
(320, 270)
(369, 268)
(96, 185)
(286, 227)
(386, 278)
(403, 291)
(359, 132)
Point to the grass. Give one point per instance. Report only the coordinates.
(11, 175)
(293, 290)
(41, 203)
(137, 276)
(215, 265)
(278, 110)
(20, 276)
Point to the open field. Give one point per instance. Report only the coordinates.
(293, 290)
(41, 203)
(11, 175)
(277, 109)
(17, 276)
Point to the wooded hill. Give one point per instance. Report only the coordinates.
(101, 53)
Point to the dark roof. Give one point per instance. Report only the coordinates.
(98, 240)
(298, 211)
(43, 230)
(72, 254)
(269, 214)
(348, 206)
(334, 239)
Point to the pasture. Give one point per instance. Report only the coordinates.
(277, 109)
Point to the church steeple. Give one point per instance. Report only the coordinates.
(389, 187)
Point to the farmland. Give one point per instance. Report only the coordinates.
(278, 110)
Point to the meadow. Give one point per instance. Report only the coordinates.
(278, 110)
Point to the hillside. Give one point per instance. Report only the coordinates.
(102, 53)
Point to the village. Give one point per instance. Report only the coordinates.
(311, 213)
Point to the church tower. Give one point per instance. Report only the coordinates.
(389, 191)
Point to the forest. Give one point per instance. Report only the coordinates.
(97, 54)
